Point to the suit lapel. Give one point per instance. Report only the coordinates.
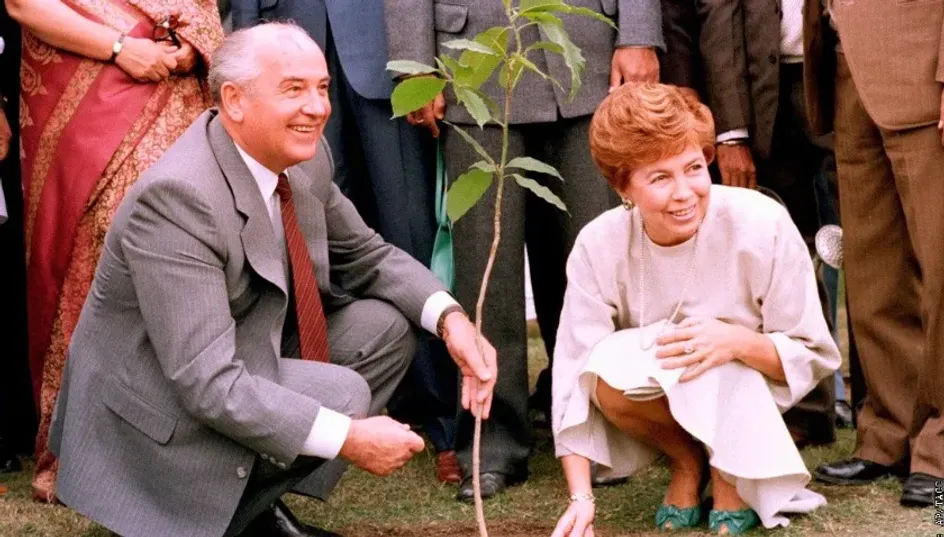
(258, 238)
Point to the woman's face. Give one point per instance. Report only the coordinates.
(672, 196)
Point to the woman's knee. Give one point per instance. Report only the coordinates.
(617, 407)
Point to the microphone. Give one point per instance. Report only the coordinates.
(829, 245)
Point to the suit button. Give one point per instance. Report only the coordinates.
(772, 58)
(264, 456)
(281, 465)
(241, 473)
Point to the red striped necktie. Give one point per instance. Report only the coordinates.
(309, 312)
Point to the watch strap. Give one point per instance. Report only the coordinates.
(453, 308)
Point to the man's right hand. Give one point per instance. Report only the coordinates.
(429, 115)
(737, 166)
(380, 445)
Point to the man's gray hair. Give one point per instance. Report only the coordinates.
(236, 60)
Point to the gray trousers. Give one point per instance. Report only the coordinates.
(371, 344)
(548, 234)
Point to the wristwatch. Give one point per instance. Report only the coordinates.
(442, 318)
(116, 48)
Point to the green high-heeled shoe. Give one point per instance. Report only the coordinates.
(688, 517)
(737, 522)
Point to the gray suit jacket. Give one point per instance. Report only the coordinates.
(172, 383)
(357, 31)
(740, 44)
(416, 30)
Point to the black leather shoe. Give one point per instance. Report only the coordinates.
(280, 522)
(492, 484)
(852, 472)
(920, 489)
(844, 419)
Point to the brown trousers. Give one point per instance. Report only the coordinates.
(892, 203)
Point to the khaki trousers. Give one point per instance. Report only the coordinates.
(892, 203)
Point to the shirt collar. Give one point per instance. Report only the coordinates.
(265, 178)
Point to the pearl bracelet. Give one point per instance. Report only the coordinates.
(582, 497)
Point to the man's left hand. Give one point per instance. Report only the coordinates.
(633, 64)
(479, 370)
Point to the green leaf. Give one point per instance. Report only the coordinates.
(483, 65)
(413, 93)
(454, 67)
(474, 104)
(587, 12)
(533, 165)
(471, 141)
(529, 65)
(572, 55)
(539, 190)
(515, 69)
(545, 45)
(467, 44)
(410, 67)
(533, 6)
(466, 191)
(543, 17)
(484, 166)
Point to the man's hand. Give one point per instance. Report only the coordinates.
(380, 445)
(5, 136)
(428, 116)
(186, 57)
(479, 373)
(737, 166)
(633, 64)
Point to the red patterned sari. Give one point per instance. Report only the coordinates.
(88, 131)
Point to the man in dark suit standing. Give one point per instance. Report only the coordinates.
(384, 166)
(879, 84)
(178, 414)
(753, 54)
(546, 126)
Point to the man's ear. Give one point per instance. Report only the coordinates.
(232, 102)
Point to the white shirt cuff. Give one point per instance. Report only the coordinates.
(327, 435)
(435, 304)
(733, 135)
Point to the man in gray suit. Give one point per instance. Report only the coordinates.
(546, 126)
(753, 53)
(177, 414)
(382, 165)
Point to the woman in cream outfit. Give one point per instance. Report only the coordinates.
(733, 335)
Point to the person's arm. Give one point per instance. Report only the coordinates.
(639, 28)
(62, 27)
(578, 519)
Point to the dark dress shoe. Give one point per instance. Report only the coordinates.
(492, 484)
(447, 467)
(852, 472)
(280, 522)
(844, 418)
(920, 490)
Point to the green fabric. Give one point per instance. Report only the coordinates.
(442, 263)
(738, 522)
(679, 518)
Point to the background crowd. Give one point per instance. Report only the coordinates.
(792, 101)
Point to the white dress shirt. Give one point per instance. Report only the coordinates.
(330, 428)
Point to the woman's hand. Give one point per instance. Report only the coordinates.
(186, 57)
(702, 343)
(577, 521)
(145, 60)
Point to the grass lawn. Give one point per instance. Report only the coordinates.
(412, 503)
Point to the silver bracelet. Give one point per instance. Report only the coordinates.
(582, 497)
